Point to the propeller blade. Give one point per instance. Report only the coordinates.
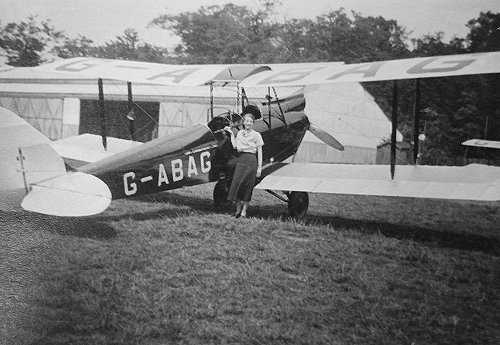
(325, 137)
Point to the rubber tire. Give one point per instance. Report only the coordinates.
(220, 193)
(298, 203)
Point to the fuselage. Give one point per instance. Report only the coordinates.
(194, 155)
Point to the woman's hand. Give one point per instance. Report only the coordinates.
(228, 129)
(259, 171)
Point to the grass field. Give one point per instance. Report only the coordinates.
(171, 269)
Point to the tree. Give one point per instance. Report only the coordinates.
(300, 42)
(129, 47)
(29, 43)
(222, 34)
(76, 47)
(126, 47)
(484, 35)
(337, 36)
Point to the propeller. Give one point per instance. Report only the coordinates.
(315, 130)
(325, 137)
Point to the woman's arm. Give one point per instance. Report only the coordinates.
(259, 161)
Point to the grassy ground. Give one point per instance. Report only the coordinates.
(172, 269)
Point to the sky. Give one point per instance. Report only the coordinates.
(102, 20)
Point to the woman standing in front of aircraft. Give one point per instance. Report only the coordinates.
(248, 143)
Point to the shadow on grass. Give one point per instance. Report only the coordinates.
(170, 210)
(67, 226)
(430, 237)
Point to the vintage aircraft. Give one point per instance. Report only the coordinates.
(37, 175)
(195, 155)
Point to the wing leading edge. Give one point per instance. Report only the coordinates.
(296, 74)
(424, 67)
(472, 182)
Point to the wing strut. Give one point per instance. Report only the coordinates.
(269, 106)
(243, 98)
(103, 115)
(211, 101)
(282, 115)
(394, 126)
(416, 121)
(21, 159)
(131, 113)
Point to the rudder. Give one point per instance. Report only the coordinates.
(26, 157)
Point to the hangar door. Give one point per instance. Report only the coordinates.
(117, 124)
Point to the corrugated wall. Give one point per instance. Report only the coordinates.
(44, 114)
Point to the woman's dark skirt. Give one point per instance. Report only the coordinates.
(244, 177)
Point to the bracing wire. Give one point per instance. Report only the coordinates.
(135, 103)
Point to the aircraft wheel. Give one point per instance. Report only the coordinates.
(221, 191)
(298, 203)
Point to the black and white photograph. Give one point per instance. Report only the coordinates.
(249, 172)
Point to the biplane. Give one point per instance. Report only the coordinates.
(76, 177)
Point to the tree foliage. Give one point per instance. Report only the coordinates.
(76, 47)
(130, 47)
(484, 35)
(30, 42)
(223, 34)
(236, 34)
(126, 47)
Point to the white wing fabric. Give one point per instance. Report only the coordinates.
(295, 74)
(87, 148)
(472, 182)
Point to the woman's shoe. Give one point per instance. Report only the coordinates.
(237, 214)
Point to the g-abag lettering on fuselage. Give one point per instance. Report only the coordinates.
(177, 160)
(188, 170)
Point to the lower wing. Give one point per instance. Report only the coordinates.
(471, 182)
(88, 148)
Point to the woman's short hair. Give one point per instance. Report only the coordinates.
(252, 109)
(249, 115)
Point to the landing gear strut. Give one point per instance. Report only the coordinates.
(298, 202)
(221, 191)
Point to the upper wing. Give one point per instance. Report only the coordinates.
(426, 67)
(472, 182)
(297, 74)
(147, 72)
